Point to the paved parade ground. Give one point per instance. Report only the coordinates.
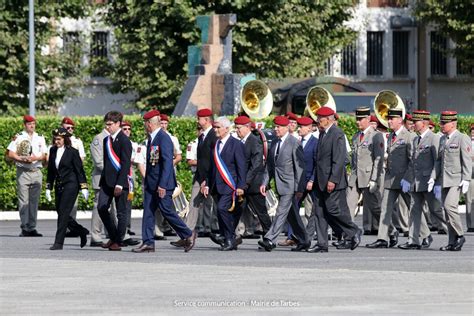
(37, 281)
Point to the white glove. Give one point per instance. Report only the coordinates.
(85, 194)
(372, 186)
(431, 183)
(437, 192)
(48, 195)
(405, 185)
(464, 186)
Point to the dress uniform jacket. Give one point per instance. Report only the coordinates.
(425, 154)
(97, 154)
(398, 161)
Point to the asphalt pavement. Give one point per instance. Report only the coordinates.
(35, 280)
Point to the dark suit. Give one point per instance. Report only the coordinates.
(160, 174)
(330, 166)
(233, 156)
(67, 179)
(255, 171)
(110, 178)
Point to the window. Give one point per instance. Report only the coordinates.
(462, 69)
(99, 44)
(374, 53)
(72, 51)
(71, 42)
(400, 53)
(438, 46)
(349, 60)
(328, 67)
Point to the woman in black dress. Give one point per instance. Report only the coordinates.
(66, 173)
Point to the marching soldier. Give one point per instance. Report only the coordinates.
(367, 170)
(28, 151)
(453, 174)
(423, 173)
(399, 148)
(470, 193)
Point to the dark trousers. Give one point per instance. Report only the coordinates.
(332, 208)
(228, 221)
(106, 194)
(65, 198)
(152, 202)
(256, 202)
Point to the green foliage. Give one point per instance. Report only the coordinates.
(272, 38)
(51, 69)
(87, 127)
(454, 19)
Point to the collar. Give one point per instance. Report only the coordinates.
(284, 137)
(224, 140)
(399, 130)
(114, 135)
(424, 133)
(452, 134)
(367, 130)
(205, 132)
(327, 129)
(153, 134)
(244, 140)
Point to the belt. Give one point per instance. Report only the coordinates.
(29, 170)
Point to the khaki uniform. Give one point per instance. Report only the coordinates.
(367, 165)
(470, 195)
(398, 163)
(425, 154)
(29, 178)
(454, 165)
(79, 145)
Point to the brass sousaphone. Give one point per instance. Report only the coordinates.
(256, 99)
(316, 98)
(387, 100)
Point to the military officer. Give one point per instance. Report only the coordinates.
(470, 193)
(28, 151)
(425, 153)
(367, 170)
(399, 149)
(453, 175)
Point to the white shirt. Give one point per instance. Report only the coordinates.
(38, 148)
(59, 155)
(204, 133)
(140, 155)
(243, 140)
(176, 146)
(191, 152)
(77, 143)
(223, 141)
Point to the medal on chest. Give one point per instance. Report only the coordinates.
(154, 155)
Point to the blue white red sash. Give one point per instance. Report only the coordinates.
(115, 159)
(225, 174)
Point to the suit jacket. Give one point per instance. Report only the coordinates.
(331, 159)
(454, 160)
(97, 154)
(123, 148)
(399, 156)
(254, 163)
(367, 158)
(288, 169)
(162, 173)
(309, 152)
(233, 156)
(69, 172)
(204, 157)
(425, 154)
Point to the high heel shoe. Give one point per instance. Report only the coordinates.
(56, 247)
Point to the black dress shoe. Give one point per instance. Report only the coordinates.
(394, 240)
(56, 247)
(355, 240)
(316, 248)
(338, 242)
(379, 243)
(367, 232)
(96, 244)
(83, 237)
(24, 233)
(159, 237)
(470, 230)
(426, 243)
(441, 232)
(237, 241)
(458, 243)
(301, 247)
(447, 248)
(266, 244)
(130, 242)
(131, 233)
(217, 239)
(409, 246)
(72, 234)
(169, 233)
(345, 244)
(34, 233)
(250, 236)
(228, 245)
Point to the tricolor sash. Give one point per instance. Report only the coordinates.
(115, 159)
(225, 174)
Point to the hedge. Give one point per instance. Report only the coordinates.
(88, 127)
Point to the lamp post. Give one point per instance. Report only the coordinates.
(31, 57)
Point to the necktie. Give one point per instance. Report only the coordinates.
(277, 152)
(219, 149)
(303, 140)
(394, 137)
(361, 136)
(200, 139)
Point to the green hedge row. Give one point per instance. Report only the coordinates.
(88, 127)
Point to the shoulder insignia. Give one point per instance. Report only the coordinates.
(96, 142)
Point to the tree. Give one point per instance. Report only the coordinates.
(273, 38)
(454, 19)
(52, 68)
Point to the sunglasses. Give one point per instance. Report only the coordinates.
(70, 127)
(125, 128)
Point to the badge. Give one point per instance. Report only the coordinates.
(453, 146)
(401, 142)
(154, 155)
(365, 144)
(96, 142)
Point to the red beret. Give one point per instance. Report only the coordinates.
(148, 115)
(325, 111)
(292, 116)
(374, 118)
(432, 123)
(126, 123)
(67, 120)
(305, 121)
(204, 113)
(252, 125)
(408, 117)
(28, 118)
(164, 117)
(242, 120)
(281, 120)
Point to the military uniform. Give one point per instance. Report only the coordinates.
(29, 177)
(470, 193)
(453, 167)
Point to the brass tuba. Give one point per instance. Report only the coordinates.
(316, 98)
(387, 100)
(256, 99)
